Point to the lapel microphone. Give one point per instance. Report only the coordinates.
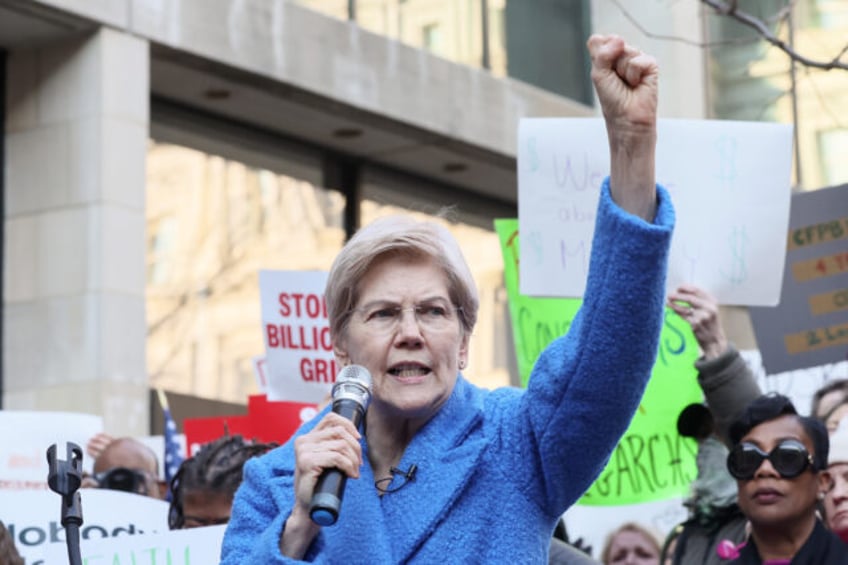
(385, 485)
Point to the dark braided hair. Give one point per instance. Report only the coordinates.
(216, 467)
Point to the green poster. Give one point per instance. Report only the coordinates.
(652, 461)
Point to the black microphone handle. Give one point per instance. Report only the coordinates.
(327, 497)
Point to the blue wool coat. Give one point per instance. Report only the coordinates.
(496, 469)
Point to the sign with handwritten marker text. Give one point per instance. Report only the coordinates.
(33, 519)
(729, 182)
(810, 325)
(652, 461)
(25, 436)
(193, 546)
(299, 362)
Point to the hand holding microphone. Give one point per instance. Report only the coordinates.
(333, 444)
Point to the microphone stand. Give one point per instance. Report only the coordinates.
(64, 478)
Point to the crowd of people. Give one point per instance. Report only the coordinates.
(444, 470)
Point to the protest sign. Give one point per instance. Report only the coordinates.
(195, 546)
(299, 356)
(25, 437)
(265, 422)
(652, 461)
(33, 519)
(810, 325)
(729, 183)
(260, 369)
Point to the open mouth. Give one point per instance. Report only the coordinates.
(409, 370)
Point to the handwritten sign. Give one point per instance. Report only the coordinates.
(25, 437)
(810, 326)
(300, 365)
(729, 181)
(652, 461)
(33, 519)
(195, 546)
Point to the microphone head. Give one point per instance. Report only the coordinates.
(353, 383)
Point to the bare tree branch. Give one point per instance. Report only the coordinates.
(731, 10)
(685, 40)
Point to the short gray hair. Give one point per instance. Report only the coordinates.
(398, 235)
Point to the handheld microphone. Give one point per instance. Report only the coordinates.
(351, 396)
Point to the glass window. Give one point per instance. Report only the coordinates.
(432, 38)
(833, 145)
(832, 14)
(541, 42)
(212, 223)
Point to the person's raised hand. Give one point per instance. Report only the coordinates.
(700, 309)
(626, 81)
(97, 443)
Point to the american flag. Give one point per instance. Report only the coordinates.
(173, 456)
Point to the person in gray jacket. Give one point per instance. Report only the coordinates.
(716, 525)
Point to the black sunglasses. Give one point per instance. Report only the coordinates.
(790, 458)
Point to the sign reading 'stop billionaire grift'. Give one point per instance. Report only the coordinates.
(298, 349)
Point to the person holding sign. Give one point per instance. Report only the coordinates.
(715, 520)
(443, 470)
(778, 459)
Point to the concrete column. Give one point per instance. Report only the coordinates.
(74, 318)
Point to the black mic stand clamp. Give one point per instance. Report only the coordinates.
(64, 478)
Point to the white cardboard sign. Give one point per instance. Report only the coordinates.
(25, 437)
(195, 546)
(300, 365)
(729, 182)
(33, 518)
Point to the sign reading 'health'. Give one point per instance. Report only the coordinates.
(729, 182)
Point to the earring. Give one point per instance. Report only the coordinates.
(461, 365)
(821, 495)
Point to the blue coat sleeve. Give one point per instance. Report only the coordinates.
(261, 506)
(586, 385)
(256, 523)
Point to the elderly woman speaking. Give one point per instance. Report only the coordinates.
(443, 471)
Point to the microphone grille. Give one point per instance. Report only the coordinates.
(354, 382)
(356, 373)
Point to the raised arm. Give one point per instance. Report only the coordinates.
(626, 81)
(723, 375)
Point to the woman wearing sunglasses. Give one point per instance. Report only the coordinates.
(778, 458)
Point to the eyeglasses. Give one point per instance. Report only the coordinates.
(384, 318)
(790, 458)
